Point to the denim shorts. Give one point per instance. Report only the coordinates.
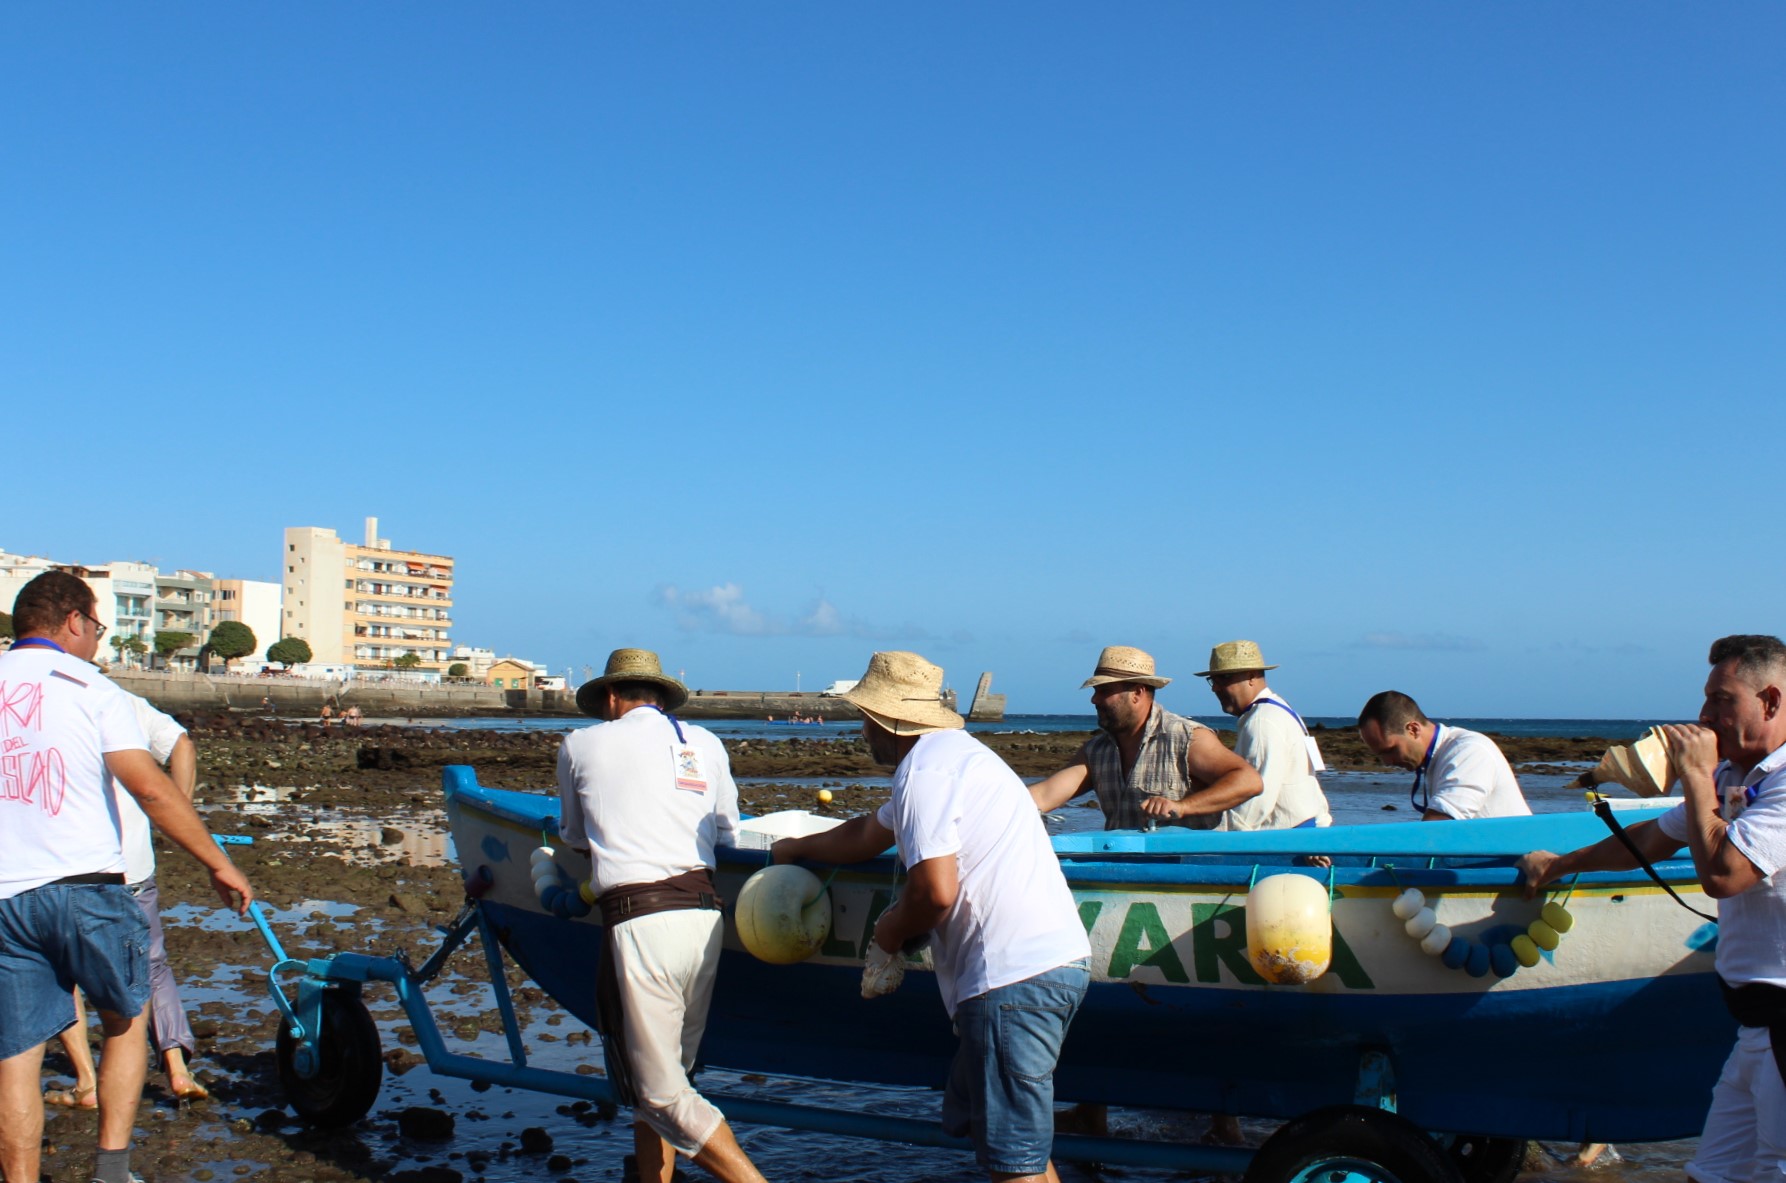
(60, 936)
(1001, 1087)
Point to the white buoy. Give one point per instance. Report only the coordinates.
(1435, 941)
(1407, 903)
(783, 914)
(1421, 923)
(1289, 932)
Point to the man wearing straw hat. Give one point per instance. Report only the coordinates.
(1146, 764)
(648, 797)
(1732, 769)
(1271, 737)
(984, 884)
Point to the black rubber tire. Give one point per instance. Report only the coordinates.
(1351, 1139)
(347, 1083)
(1481, 1159)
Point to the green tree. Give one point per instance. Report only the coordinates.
(128, 646)
(408, 661)
(458, 670)
(5, 624)
(289, 652)
(169, 643)
(230, 640)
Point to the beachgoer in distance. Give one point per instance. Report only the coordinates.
(1458, 774)
(1146, 764)
(1272, 738)
(328, 714)
(1732, 768)
(66, 918)
(984, 883)
(648, 797)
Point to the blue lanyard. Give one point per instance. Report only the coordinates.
(680, 738)
(38, 643)
(1286, 706)
(1420, 774)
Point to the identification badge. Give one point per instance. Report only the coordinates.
(686, 763)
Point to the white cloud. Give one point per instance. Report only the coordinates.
(724, 609)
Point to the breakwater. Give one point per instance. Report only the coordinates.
(306, 697)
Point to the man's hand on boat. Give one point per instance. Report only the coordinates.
(232, 887)
(1535, 869)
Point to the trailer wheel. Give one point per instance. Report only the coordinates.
(1351, 1144)
(1482, 1159)
(349, 1067)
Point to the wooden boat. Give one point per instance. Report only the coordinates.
(1616, 1035)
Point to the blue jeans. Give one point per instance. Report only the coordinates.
(1001, 1086)
(57, 937)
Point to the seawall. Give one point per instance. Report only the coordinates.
(296, 697)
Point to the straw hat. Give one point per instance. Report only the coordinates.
(903, 693)
(1122, 663)
(630, 665)
(1234, 657)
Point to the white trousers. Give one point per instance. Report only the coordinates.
(666, 964)
(1745, 1131)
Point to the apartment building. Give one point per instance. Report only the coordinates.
(366, 605)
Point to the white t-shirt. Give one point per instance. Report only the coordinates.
(1271, 738)
(58, 814)
(643, 803)
(1752, 923)
(1014, 917)
(1468, 777)
(139, 850)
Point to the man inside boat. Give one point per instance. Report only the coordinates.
(1271, 737)
(1147, 765)
(648, 796)
(1458, 774)
(985, 889)
(1732, 769)
(66, 918)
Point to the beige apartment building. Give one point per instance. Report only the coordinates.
(366, 605)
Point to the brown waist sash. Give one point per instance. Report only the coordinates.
(689, 890)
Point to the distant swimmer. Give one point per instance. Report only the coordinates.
(1273, 739)
(1146, 764)
(1732, 769)
(1458, 774)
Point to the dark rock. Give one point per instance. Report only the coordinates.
(535, 1140)
(425, 1124)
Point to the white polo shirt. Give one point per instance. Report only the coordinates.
(139, 848)
(1752, 923)
(1468, 777)
(1014, 917)
(58, 809)
(1270, 737)
(645, 804)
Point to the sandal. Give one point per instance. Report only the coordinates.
(74, 1097)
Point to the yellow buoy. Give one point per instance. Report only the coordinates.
(824, 796)
(1526, 950)
(1557, 916)
(1289, 933)
(1543, 935)
(783, 914)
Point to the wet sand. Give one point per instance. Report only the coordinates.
(350, 856)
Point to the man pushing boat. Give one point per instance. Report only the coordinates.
(648, 797)
(1458, 774)
(1146, 764)
(1732, 769)
(1012, 958)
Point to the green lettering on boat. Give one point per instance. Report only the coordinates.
(1347, 966)
(1088, 913)
(1142, 922)
(1211, 952)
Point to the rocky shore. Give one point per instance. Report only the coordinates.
(349, 855)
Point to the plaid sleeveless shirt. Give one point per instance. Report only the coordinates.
(1159, 772)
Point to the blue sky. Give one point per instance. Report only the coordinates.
(1431, 347)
